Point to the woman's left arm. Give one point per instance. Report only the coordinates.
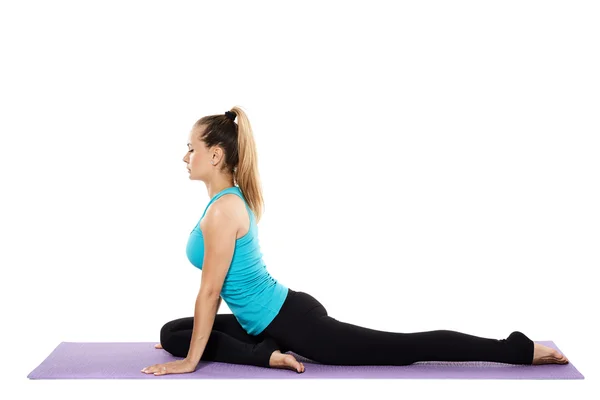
(219, 230)
(205, 311)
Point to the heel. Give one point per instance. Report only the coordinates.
(522, 348)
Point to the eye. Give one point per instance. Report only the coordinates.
(189, 151)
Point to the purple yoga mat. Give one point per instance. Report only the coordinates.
(116, 360)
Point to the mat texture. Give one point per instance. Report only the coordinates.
(118, 360)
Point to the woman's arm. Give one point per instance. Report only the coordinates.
(219, 232)
(204, 318)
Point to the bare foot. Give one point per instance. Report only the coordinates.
(547, 355)
(158, 346)
(287, 361)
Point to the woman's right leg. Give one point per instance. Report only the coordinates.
(228, 342)
(304, 326)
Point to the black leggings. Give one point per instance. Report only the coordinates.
(303, 327)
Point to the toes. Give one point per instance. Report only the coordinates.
(555, 354)
(559, 357)
(563, 359)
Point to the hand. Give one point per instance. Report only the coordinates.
(173, 367)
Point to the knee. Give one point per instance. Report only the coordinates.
(165, 335)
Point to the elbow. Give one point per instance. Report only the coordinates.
(209, 294)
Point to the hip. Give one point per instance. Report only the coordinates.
(298, 308)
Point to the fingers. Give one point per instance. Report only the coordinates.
(174, 367)
(156, 369)
(148, 369)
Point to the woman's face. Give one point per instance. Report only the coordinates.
(197, 156)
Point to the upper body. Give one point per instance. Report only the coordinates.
(251, 293)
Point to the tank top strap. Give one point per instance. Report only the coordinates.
(238, 191)
(233, 189)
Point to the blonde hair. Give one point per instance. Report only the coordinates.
(241, 160)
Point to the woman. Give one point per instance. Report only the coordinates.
(269, 319)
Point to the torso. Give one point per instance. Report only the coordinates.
(236, 206)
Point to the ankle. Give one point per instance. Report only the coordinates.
(274, 355)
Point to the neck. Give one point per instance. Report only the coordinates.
(216, 187)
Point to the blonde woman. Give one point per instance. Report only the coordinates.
(268, 319)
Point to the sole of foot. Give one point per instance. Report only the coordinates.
(547, 355)
(285, 361)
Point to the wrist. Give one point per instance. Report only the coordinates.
(191, 361)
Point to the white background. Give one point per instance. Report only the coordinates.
(425, 165)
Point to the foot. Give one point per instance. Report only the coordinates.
(158, 346)
(547, 355)
(287, 361)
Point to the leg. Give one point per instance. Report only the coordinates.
(228, 342)
(304, 326)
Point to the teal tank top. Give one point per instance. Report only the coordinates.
(251, 293)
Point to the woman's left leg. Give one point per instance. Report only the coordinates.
(228, 342)
(304, 327)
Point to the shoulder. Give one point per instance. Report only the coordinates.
(230, 204)
(224, 212)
